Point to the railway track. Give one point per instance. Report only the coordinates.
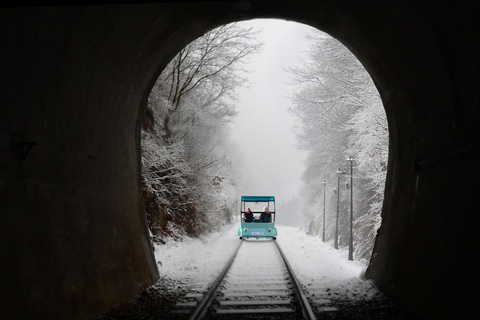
(256, 283)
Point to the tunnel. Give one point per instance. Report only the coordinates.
(74, 81)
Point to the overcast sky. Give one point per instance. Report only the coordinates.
(263, 127)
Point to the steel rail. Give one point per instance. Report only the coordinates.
(306, 308)
(202, 306)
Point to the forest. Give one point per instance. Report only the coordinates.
(340, 115)
(190, 174)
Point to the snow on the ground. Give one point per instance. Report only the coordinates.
(320, 267)
(195, 260)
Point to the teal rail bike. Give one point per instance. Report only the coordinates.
(257, 216)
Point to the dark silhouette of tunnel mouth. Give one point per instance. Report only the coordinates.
(86, 67)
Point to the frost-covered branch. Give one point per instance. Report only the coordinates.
(188, 181)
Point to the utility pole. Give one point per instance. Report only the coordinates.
(339, 173)
(350, 244)
(323, 234)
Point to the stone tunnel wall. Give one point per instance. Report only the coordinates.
(74, 241)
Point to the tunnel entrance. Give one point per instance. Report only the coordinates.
(74, 236)
(261, 103)
(240, 139)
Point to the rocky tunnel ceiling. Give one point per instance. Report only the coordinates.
(74, 240)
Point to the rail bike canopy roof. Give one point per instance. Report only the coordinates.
(258, 198)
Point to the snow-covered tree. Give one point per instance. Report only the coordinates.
(188, 177)
(339, 114)
(200, 81)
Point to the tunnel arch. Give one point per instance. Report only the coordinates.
(74, 234)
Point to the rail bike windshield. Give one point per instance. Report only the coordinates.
(258, 203)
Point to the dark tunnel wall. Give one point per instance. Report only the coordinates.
(74, 241)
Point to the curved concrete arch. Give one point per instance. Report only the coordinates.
(74, 240)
